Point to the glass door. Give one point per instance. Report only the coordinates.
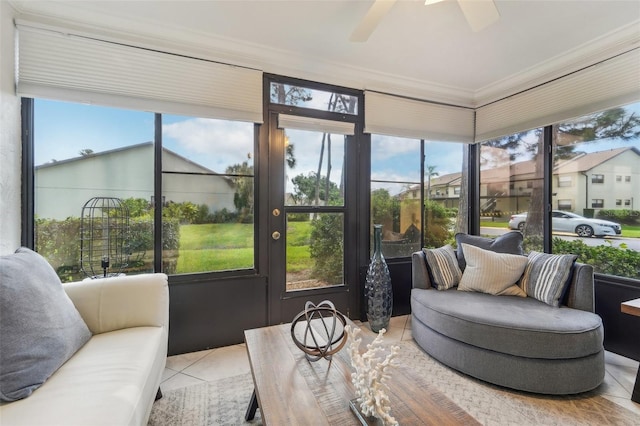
(307, 192)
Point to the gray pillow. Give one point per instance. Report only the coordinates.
(40, 327)
(547, 276)
(510, 243)
(443, 267)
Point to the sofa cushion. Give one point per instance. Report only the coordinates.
(519, 326)
(40, 326)
(112, 380)
(510, 242)
(546, 276)
(443, 268)
(492, 273)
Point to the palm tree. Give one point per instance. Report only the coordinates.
(431, 171)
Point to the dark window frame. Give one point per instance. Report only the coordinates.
(28, 198)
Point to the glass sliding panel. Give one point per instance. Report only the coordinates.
(396, 190)
(600, 218)
(511, 185)
(314, 165)
(314, 250)
(287, 94)
(88, 160)
(444, 192)
(396, 194)
(208, 195)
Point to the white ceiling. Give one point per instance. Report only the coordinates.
(426, 52)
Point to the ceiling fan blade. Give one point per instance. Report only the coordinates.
(479, 13)
(371, 20)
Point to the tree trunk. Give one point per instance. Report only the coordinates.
(462, 223)
(533, 229)
(318, 174)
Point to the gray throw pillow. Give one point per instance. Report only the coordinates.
(510, 243)
(40, 327)
(443, 267)
(546, 276)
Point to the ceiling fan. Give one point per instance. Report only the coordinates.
(479, 14)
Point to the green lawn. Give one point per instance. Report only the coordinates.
(229, 246)
(216, 236)
(215, 247)
(496, 224)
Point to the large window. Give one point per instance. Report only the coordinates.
(401, 181)
(596, 151)
(511, 186)
(207, 195)
(89, 161)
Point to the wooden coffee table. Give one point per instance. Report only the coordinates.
(291, 390)
(632, 307)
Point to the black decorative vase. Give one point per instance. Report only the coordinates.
(378, 289)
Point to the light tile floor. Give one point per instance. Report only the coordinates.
(198, 367)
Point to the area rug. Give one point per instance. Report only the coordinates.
(224, 402)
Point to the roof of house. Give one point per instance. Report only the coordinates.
(142, 145)
(447, 179)
(580, 163)
(585, 162)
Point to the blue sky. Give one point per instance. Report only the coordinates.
(63, 129)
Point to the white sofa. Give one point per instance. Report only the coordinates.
(114, 378)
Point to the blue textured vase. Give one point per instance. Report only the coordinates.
(378, 289)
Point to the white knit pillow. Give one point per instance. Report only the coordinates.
(491, 272)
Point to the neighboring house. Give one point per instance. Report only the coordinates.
(599, 180)
(63, 187)
(446, 189)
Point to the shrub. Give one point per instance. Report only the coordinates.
(170, 234)
(624, 216)
(604, 258)
(58, 241)
(326, 248)
(437, 228)
(224, 216)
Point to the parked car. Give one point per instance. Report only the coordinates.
(571, 222)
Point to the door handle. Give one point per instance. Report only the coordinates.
(275, 235)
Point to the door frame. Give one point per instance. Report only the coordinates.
(282, 305)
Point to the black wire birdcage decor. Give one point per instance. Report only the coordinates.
(104, 237)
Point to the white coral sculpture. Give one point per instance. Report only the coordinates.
(371, 374)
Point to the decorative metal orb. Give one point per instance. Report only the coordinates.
(324, 330)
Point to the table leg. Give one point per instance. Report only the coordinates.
(635, 396)
(253, 406)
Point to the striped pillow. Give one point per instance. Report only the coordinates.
(491, 272)
(546, 276)
(443, 267)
